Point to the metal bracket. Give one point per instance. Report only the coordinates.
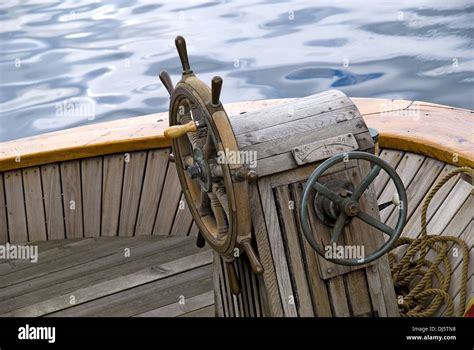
(323, 149)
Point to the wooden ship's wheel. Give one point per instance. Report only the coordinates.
(215, 188)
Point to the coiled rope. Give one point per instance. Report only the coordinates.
(414, 276)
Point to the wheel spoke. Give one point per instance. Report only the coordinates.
(366, 182)
(219, 214)
(204, 207)
(328, 193)
(375, 223)
(221, 195)
(208, 147)
(338, 227)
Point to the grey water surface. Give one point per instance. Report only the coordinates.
(70, 63)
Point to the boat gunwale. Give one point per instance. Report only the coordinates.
(398, 129)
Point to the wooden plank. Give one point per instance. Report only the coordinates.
(156, 299)
(242, 297)
(207, 311)
(422, 128)
(249, 288)
(132, 185)
(413, 226)
(265, 254)
(91, 171)
(284, 144)
(3, 213)
(392, 157)
(168, 203)
(277, 247)
(358, 296)
(376, 290)
(318, 290)
(16, 214)
(193, 304)
(224, 288)
(70, 173)
(459, 194)
(314, 105)
(228, 293)
(425, 132)
(218, 297)
(417, 188)
(34, 204)
(406, 169)
(47, 251)
(286, 161)
(53, 203)
(100, 271)
(111, 194)
(183, 219)
(255, 281)
(305, 307)
(115, 285)
(372, 242)
(52, 270)
(157, 163)
(338, 297)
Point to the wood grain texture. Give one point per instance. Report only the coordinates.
(305, 307)
(112, 194)
(269, 277)
(53, 203)
(406, 169)
(72, 198)
(91, 171)
(277, 247)
(392, 157)
(34, 204)
(155, 173)
(155, 276)
(413, 126)
(132, 186)
(318, 288)
(3, 213)
(15, 207)
(183, 219)
(168, 203)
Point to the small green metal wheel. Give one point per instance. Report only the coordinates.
(347, 206)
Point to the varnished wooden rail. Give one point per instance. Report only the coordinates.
(437, 131)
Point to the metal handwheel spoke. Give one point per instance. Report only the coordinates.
(338, 210)
(338, 227)
(375, 223)
(327, 193)
(366, 182)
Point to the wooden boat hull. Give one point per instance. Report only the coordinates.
(114, 179)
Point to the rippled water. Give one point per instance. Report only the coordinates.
(106, 56)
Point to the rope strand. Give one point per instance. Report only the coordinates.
(414, 276)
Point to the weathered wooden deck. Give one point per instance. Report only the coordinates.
(136, 276)
(95, 277)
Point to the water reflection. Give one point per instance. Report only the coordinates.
(110, 54)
